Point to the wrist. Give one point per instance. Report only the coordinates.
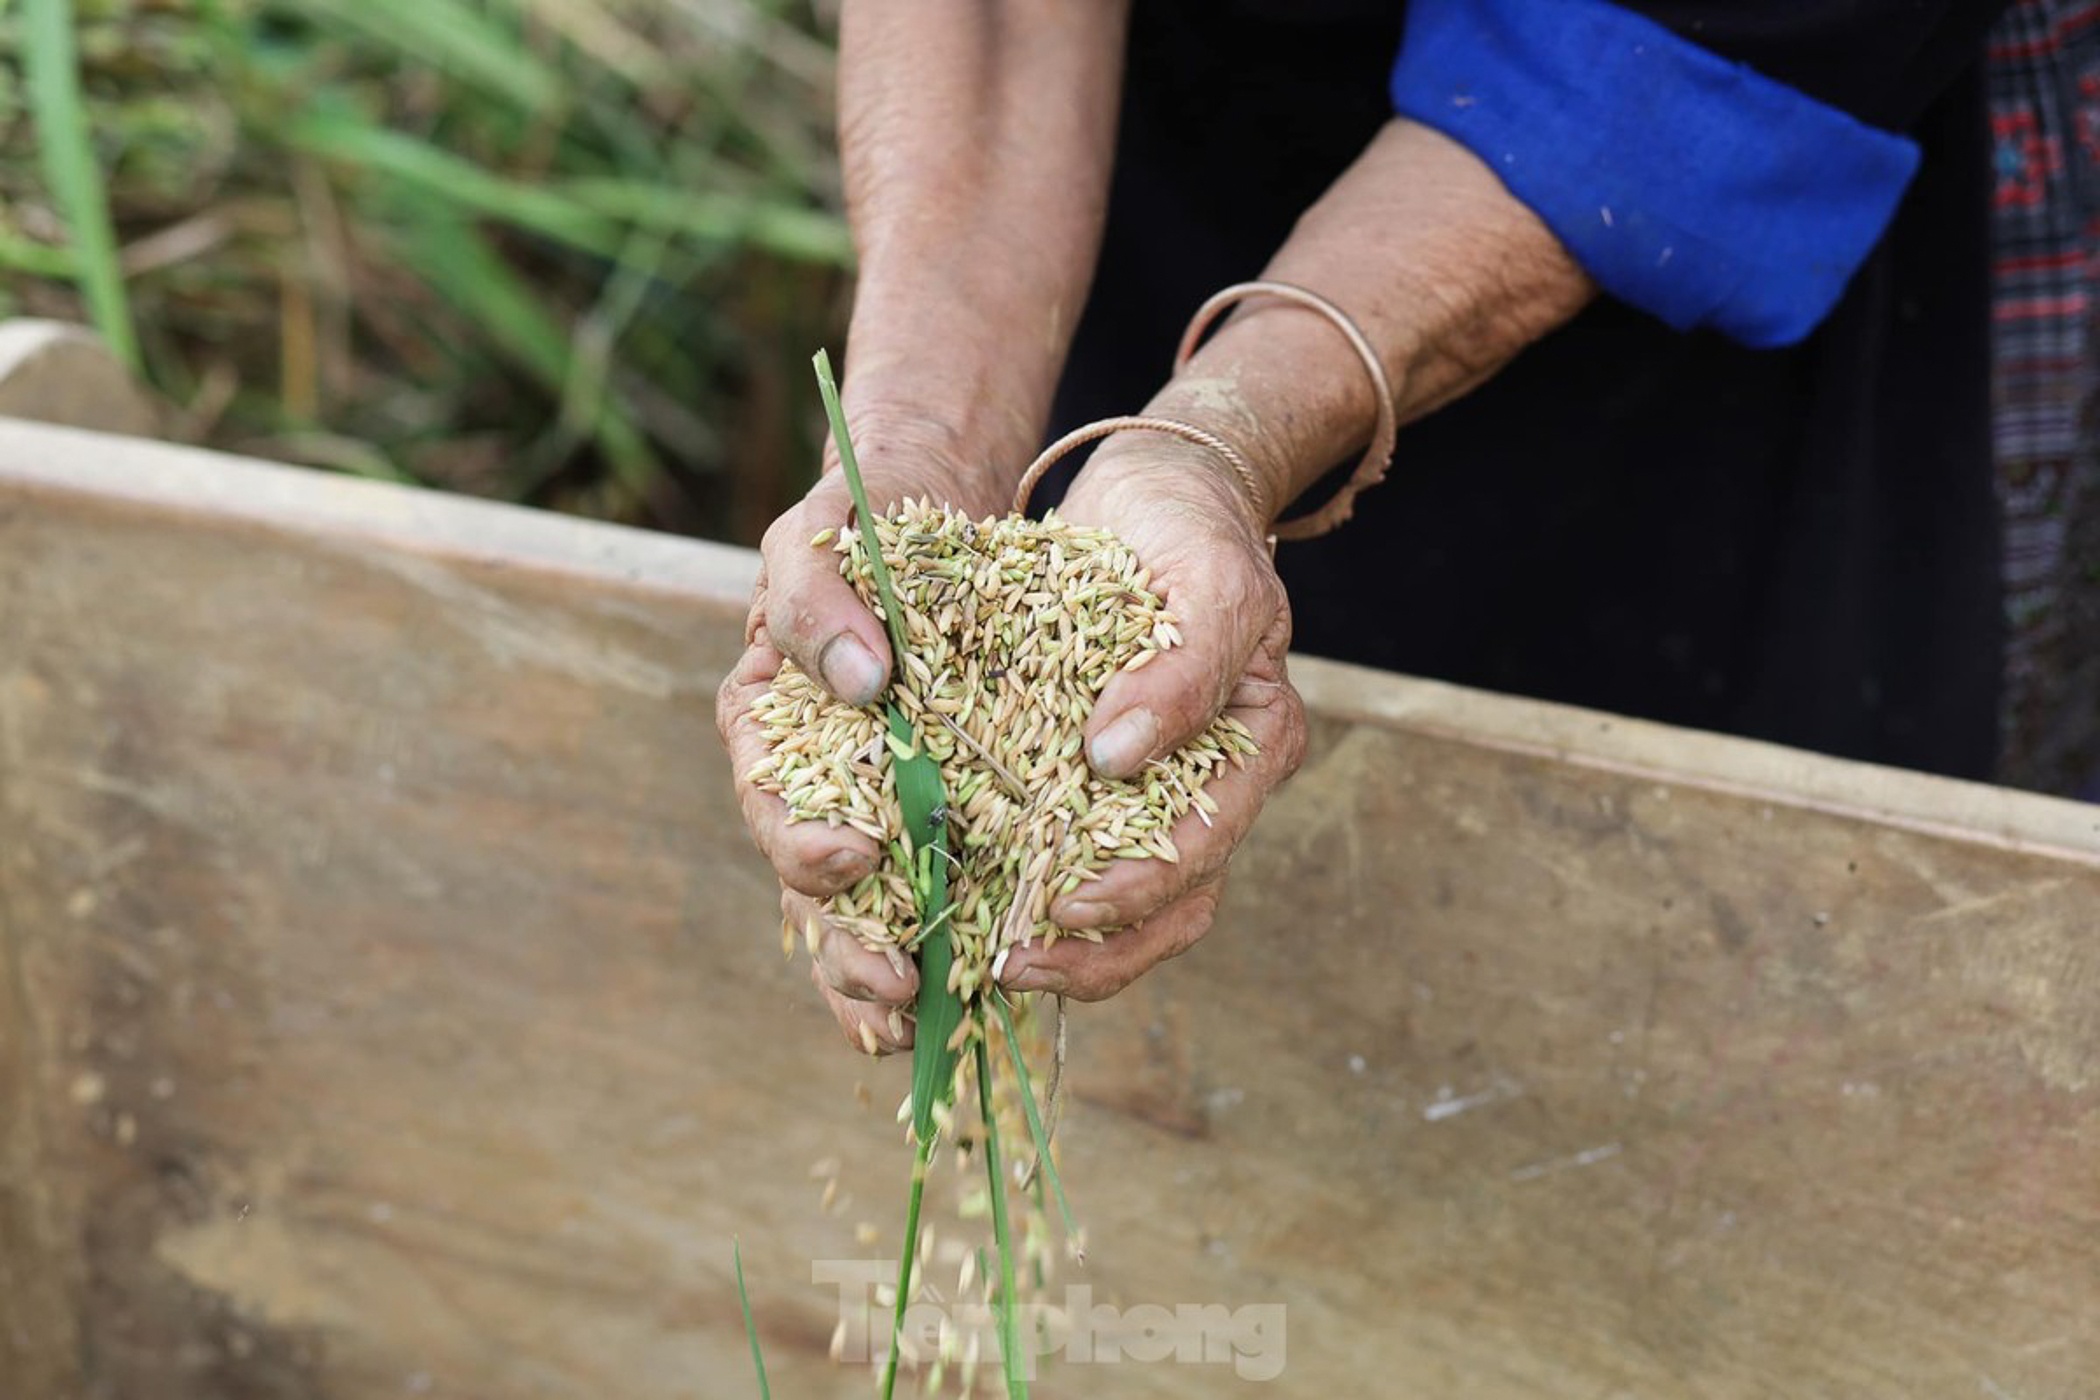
(907, 451)
(949, 375)
(1138, 469)
(1287, 388)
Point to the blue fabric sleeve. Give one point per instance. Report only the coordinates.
(1690, 186)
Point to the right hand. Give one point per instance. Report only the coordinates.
(804, 611)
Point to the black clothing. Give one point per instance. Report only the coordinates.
(1799, 545)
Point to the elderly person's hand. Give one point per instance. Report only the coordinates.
(803, 610)
(1190, 523)
(977, 209)
(1193, 527)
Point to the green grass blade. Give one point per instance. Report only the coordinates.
(788, 230)
(437, 175)
(458, 262)
(52, 61)
(758, 1357)
(18, 254)
(1046, 1164)
(585, 391)
(1002, 1236)
(453, 37)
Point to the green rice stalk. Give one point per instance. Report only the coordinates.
(1009, 1317)
(53, 65)
(910, 1253)
(758, 1358)
(920, 801)
(849, 462)
(1044, 1162)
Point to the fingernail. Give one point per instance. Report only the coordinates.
(1082, 914)
(1118, 750)
(1035, 979)
(850, 670)
(846, 865)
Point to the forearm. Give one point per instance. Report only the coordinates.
(977, 139)
(1447, 275)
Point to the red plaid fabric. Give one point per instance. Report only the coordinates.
(2045, 126)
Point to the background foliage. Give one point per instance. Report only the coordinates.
(569, 252)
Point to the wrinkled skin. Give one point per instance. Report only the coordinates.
(977, 141)
(1187, 522)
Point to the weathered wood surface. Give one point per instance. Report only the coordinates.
(56, 372)
(393, 1006)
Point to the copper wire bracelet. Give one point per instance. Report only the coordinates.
(1369, 472)
(1102, 428)
(1377, 457)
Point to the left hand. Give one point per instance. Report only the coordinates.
(1180, 510)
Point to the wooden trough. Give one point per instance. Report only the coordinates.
(393, 1005)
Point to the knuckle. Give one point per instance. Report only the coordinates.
(1296, 737)
(1266, 597)
(789, 533)
(730, 709)
(774, 544)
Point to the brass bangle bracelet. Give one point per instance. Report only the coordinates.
(1377, 457)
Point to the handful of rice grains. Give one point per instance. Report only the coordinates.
(970, 774)
(1013, 627)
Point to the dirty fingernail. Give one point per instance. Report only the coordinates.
(846, 865)
(1035, 979)
(1118, 750)
(1082, 914)
(850, 670)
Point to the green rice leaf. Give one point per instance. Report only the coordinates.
(758, 1357)
(849, 461)
(920, 801)
(939, 1010)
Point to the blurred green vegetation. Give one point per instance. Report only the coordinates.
(569, 252)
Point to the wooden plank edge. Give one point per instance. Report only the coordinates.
(40, 459)
(1774, 774)
(36, 458)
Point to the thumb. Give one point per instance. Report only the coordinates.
(1223, 603)
(812, 614)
